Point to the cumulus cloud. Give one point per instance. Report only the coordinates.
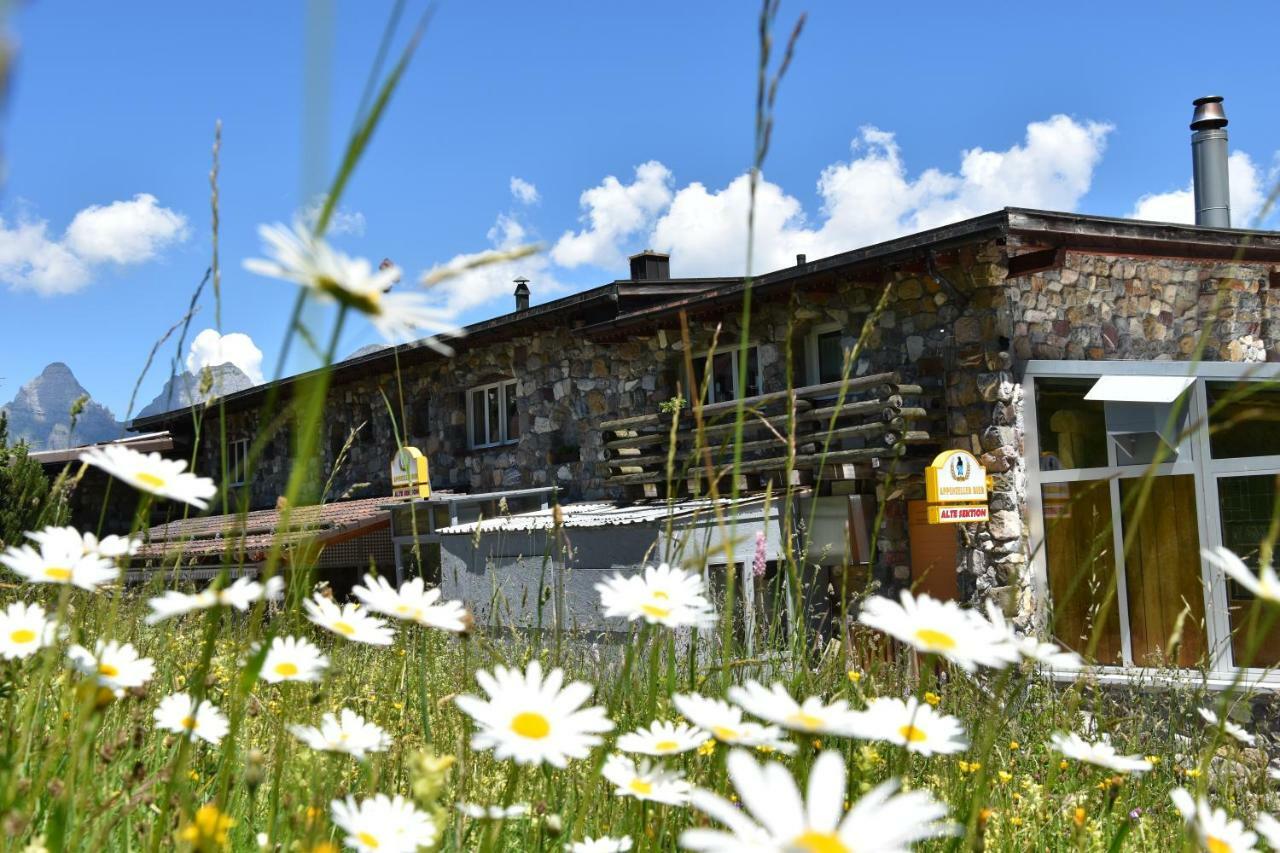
(341, 221)
(210, 349)
(1248, 187)
(524, 192)
(614, 212)
(121, 233)
(872, 197)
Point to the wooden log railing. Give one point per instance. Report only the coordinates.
(879, 417)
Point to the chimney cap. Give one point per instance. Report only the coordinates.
(522, 284)
(648, 253)
(1209, 113)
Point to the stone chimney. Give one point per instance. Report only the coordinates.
(650, 266)
(522, 294)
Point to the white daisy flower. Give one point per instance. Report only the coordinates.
(531, 720)
(1269, 828)
(116, 666)
(349, 733)
(724, 723)
(646, 781)
(177, 713)
(1265, 584)
(383, 824)
(1030, 648)
(24, 629)
(1236, 731)
(109, 547)
(241, 594)
(603, 844)
(663, 738)
(1102, 753)
(292, 659)
(414, 602)
(332, 276)
(942, 628)
(477, 811)
(150, 472)
(912, 724)
(661, 596)
(348, 621)
(778, 818)
(60, 559)
(1214, 830)
(776, 705)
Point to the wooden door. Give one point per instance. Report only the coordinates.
(933, 553)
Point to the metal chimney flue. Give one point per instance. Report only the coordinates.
(522, 294)
(1209, 163)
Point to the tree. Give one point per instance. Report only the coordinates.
(28, 500)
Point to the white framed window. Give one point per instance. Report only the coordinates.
(1133, 468)
(237, 461)
(492, 418)
(824, 354)
(723, 385)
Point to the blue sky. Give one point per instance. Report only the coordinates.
(115, 101)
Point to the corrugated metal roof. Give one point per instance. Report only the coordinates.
(597, 514)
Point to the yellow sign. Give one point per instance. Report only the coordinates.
(958, 513)
(409, 476)
(955, 476)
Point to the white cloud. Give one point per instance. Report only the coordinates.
(524, 192)
(210, 349)
(871, 198)
(614, 212)
(1248, 194)
(122, 233)
(493, 284)
(341, 221)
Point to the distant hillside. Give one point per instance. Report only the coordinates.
(40, 414)
(185, 389)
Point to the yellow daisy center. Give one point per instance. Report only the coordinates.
(812, 841)
(367, 840)
(935, 640)
(640, 786)
(725, 733)
(1216, 845)
(661, 595)
(655, 611)
(665, 745)
(108, 670)
(22, 635)
(912, 734)
(344, 628)
(288, 669)
(150, 480)
(366, 302)
(189, 723)
(57, 573)
(805, 721)
(531, 724)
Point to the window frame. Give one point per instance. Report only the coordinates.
(504, 430)
(700, 362)
(1197, 462)
(238, 453)
(812, 355)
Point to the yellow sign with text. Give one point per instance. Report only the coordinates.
(958, 513)
(956, 488)
(409, 476)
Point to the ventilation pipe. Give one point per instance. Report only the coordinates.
(1209, 163)
(522, 294)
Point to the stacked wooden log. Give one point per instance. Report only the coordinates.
(835, 427)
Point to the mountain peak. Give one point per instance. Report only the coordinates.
(40, 413)
(187, 388)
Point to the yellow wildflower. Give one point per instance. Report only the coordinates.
(1078, 816)
(932, 698)
(1063, 765)
(854, 676)
(209, 829)
(708, 747)
(1005, 776)
(1014, 745)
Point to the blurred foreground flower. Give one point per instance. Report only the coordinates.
(1236, 731)
(776, 705)
(1213, 829)
(178, 713)
(662, 595)
(61, 560)
(476, 811)
(911, 724)
(724, 722)
(348, 621)
(299, 257)
(109, 547)
(24, 629)
(603, 844)
(778, 818)
(1264, 585)
(293, 659)
(414, 602)
(533, 721)
(1102, 753)
(646, 781)
(209, 829)
(115, 666)
(943, 628)
(240, 594)
(150, 472)
(349, 732)
(663, 738)
(382, 824)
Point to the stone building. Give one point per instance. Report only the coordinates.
(995, 331)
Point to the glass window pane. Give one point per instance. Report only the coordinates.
(722, 384)
(1248, 424)
(1245, 506)
(492, 434)
(1073, 430)
(1162, 570)
(513, 417)
(753, 371)
(477, 418)
(830, 357)
(1080, 556)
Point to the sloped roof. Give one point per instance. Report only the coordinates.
(598, 514)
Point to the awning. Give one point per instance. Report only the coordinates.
(1139, 389)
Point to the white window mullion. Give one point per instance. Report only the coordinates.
(1122, 583)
